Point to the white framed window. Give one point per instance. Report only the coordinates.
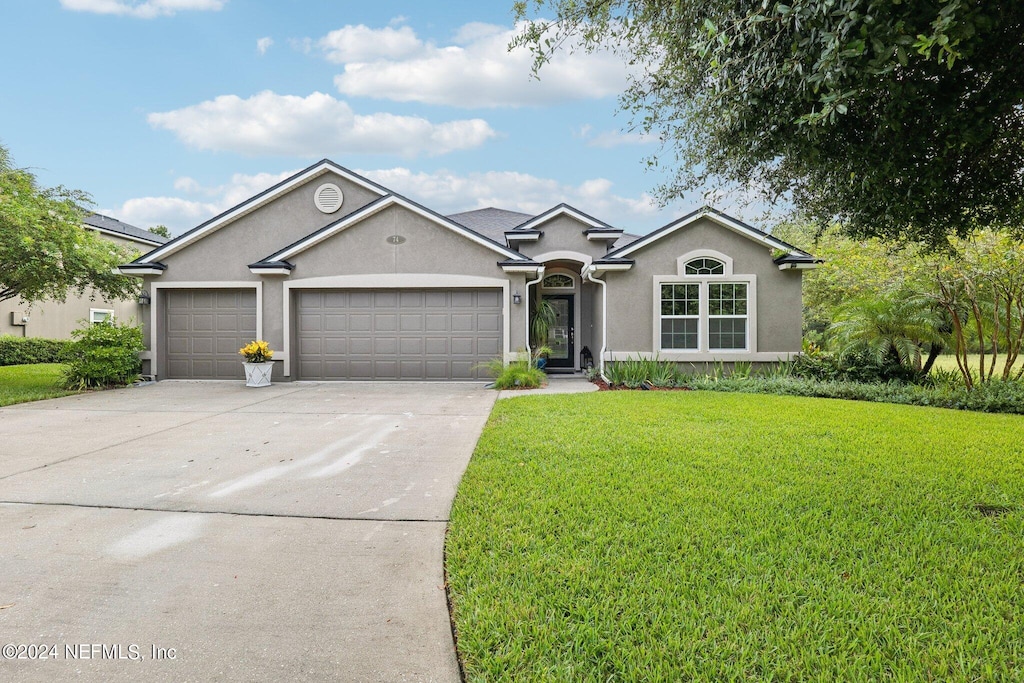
(704, 310)
(99, 315)
(680, 316)
(727, 316)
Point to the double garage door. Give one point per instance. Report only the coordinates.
(420, 334)
(417, 334)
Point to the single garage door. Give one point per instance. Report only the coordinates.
(420, 334)
(205, 328)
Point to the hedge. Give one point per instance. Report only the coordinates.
(30, 350)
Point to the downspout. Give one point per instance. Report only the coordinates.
(604, 318)
(540, 276)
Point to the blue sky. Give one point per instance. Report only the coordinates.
(170, 111)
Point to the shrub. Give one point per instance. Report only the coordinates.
(30, 350)
(104, 354)
(517, 374)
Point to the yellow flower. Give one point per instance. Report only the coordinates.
(256, 351)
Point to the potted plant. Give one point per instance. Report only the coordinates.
(544, 318)
(258, 366)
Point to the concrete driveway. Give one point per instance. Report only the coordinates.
(216, 532)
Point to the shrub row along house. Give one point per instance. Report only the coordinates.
(57, 319)
(349, 280)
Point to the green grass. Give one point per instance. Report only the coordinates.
(22, 383)
(718, 537)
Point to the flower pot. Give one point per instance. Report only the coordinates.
(258, 374)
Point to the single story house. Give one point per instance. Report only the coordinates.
(348, 280)
(57, 319)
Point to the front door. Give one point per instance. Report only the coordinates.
(562, 335)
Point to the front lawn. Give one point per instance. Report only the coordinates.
(21, 383)
(714, 537)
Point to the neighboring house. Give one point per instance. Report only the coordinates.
(57, 319)
(348, 280)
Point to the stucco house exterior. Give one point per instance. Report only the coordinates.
(349, 280)
(57, 319)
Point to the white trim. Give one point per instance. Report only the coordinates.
(512, 236)
(270, 271)
(563, 255)
(551, 214)
(614, 267)
(377, 207)
(521, 269)
(155, 331)
(395, 281)
(108, 311)
(259, 200)
(140, 272)
(606, 236)
(690, 357)
(124, 236)
(798, 266)
(724, 221)
(704, 253)
(703, 352)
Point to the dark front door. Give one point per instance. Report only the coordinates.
(562, 335)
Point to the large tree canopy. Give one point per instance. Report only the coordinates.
(44, 251)
(898, 119)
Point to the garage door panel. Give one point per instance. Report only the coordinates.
(398, 334)
(435, 346)
(385, 322)
(203, 330)
(387, 346)
(436, 322)
(360, 322)
(462, 346)
(360, 346)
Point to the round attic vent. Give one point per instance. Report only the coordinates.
(328, 198)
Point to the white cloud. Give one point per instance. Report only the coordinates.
(181, 213)
(362, 43)
(148, 9)
(476, 71)
(613, 138)
(314, 126)
(449, 192)
(263, 44)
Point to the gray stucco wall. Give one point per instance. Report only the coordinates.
(630, 293)
(564, 233)
(362, 249)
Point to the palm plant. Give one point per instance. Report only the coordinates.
(890, 329)
(544, 318)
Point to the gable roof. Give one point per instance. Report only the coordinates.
(720, 218)
(319, 168)
(112, 226)
(563, 210)
(491, 222)
(280, 257)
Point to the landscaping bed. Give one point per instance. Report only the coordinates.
(716, 536)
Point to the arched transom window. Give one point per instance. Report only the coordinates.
(557, 281)
(704, 266)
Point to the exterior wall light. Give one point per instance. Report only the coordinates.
(516, 299)
(144, 299)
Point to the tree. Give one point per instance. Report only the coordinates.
(901, 120)
(44, 250)
(161, 230)
(894, 328)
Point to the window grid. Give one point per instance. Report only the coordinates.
(704, 266)
(680, 313)
(727, 316)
